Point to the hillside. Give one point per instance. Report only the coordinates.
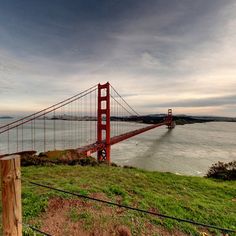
(195, 198)
(179, 119)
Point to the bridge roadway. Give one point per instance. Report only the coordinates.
(94, 147)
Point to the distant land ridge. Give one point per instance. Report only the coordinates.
(6, 117)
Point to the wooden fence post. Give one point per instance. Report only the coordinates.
(11, 195)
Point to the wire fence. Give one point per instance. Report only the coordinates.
(35, 229)
(223, 230)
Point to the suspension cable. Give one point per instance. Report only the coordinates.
(59, 103)
(121, 105)
(35, 117)
(125, 101)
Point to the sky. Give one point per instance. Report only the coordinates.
(159, 54)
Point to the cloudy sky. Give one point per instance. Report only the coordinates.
(158, 53)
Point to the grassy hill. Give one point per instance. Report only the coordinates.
(200, 199)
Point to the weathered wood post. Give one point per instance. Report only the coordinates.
(11, 195)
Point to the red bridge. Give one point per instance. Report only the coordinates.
(89, 122)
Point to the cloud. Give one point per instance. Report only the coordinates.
(149, 61)
(158, 53)
(203, 102)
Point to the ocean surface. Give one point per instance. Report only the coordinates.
(188, 149)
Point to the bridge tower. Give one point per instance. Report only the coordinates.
(103, 122)
(169, 119)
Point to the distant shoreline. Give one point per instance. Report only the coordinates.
(6, 117)
(181, 119)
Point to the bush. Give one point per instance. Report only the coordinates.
(225, 171)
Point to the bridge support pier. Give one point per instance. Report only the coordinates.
(103, 122)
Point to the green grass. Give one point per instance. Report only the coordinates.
(73, 215)
(200, 199)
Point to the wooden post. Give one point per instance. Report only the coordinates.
(11, 195)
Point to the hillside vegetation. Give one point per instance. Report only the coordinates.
(200, 199)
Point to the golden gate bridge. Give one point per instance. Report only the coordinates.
(90, 121)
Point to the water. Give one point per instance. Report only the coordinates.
(45, 134)
(189, 149)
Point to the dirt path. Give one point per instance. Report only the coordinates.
(72, 217)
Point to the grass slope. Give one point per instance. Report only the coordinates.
(200, 199)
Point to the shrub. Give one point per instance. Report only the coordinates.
(225, 171)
